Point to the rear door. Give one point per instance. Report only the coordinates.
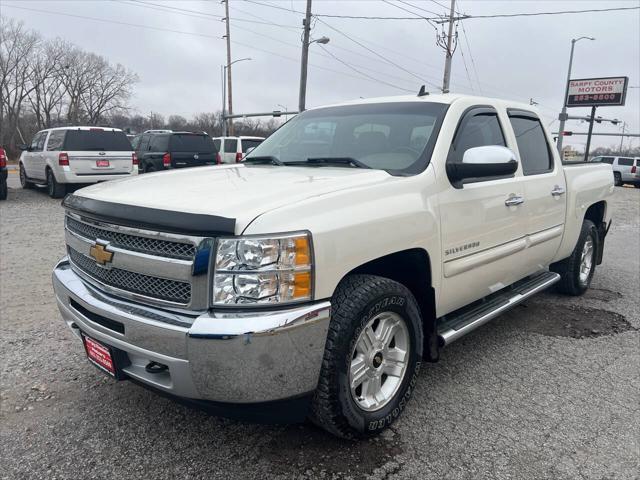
(544, 189)
(32, 158)
(230, 148)
(97, 151)
(191, 150)
(482, 236)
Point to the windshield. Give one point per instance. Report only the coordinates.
(397, 137)
(192, 143)
(96, 139)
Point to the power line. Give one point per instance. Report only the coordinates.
(464, 62)
(503, 15)
(364, 74)
(418, 8)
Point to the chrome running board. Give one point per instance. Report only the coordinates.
(457, 324)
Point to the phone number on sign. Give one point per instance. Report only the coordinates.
(601, 96)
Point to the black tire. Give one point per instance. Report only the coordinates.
(636, 185)
(55, 189)
(569, 268)
(357, 300)
(4, 190)
(26, 184)
(149, 168)
(617, 179)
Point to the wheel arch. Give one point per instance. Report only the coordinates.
(411, 268)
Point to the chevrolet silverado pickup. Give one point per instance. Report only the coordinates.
(315, 278)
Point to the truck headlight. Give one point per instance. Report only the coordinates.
(271, 269)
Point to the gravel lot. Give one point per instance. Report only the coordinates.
(549, 390)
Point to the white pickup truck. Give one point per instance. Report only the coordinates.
(313, 279)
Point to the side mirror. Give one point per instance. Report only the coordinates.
(23, 146)
(483, 162)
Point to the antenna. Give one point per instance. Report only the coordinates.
(423, 91)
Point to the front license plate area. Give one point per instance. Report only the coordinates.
(102, 163)
(106, 358)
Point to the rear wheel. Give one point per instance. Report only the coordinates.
(3, 190)
(372, 357)
(577, 271)
(24, 183)
(617, 179)
(55, 189)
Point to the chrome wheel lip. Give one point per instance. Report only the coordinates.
(377, 369)
(586, 260)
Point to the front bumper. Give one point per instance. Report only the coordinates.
(232, 357)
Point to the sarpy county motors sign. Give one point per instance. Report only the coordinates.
(595, 92)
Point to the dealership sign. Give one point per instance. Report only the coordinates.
(595, 92)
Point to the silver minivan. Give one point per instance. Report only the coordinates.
(625, 169)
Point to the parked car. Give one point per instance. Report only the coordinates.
(162, 151)
(233, 149)
(4, 190)
(71, 155)
(314, 278)
(625, 169)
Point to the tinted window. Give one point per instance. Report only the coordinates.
(476, 130)
(216, 144)
(191, 143)
(159, 143)
(56, 139)
(100, 140)
(230, 145)
(608, 160)
(377, 135)
(247, 144)
(532, 145)
(37, 142)
(135, 141)
(144, 143)
(626, 162)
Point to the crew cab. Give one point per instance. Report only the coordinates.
(315, 278)
(162, 150)
(60, 156)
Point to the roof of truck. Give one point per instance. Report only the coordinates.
(447, 98)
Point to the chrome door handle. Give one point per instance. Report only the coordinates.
(514, 200)
(557, 191)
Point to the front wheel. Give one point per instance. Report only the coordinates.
(55, 189)
(372, 357)
(577, 270)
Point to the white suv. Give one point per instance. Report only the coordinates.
(58, 156)
(625, 169)
(233, 149)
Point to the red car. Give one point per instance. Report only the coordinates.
(3, 174)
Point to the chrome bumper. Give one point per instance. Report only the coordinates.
(233, 357)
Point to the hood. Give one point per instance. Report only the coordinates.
(240, 192)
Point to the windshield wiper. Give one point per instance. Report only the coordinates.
(264, 160)
(332, 161)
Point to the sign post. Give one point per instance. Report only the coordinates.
(596, 92)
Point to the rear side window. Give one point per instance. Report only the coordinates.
(476, 130)
(56, 139)
(230, 145)
(100, 140)
(159, 143)
(625, 162)
(135, 141)
(38, 142)
(191, 143)
(608, 160)
(143, 146)
(535, 154)
(247, 144)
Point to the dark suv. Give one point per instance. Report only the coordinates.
(161, 151)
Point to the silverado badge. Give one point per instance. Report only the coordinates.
(100, 254)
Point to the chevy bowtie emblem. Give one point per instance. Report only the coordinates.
(100, 254)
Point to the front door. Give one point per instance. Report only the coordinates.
(482, 236)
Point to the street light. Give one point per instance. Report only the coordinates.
(223, 70)
(322, 40)
(563, 114)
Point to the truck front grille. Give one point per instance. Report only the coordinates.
(149, 286)
(150, 246)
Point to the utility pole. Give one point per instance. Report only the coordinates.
(447, 62)
(586, 150)
(624, 124)
(228, 37)
(224, 99)
(305, 58)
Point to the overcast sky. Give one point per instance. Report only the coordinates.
(517, 58)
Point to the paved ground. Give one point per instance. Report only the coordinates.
(550, 390)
